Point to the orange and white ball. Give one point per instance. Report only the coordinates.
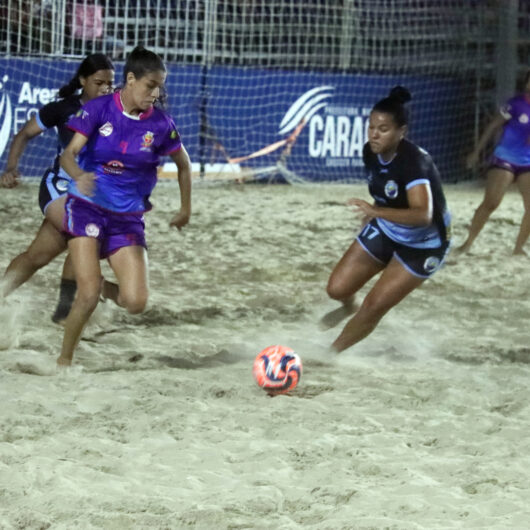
(277, 369)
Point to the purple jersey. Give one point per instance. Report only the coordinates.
(123, 151)
(514, 145)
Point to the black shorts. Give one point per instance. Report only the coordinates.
(53, 185)
(421, 262)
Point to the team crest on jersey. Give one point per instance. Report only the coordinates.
(391, 189)
(106, 129)
(431, 264)
(92, 230)
(114, 167)
(147, 141)
(523, 118)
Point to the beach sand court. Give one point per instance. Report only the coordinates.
(160, 425)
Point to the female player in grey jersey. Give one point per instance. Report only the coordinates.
(94, 77)
(406, 234)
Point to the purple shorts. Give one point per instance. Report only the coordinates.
(508, 166)
(113, 230)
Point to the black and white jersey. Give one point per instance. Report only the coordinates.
(388, 183)
(56, 114)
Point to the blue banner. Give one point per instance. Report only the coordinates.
(312, 124)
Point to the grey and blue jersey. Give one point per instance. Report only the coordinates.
(388, 183)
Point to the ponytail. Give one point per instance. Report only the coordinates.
(89, 66)
(394, 104)
(70, 88)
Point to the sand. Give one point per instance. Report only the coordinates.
(159, 424)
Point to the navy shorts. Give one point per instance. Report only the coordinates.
(112, 229)
(52, 186)
(421, 262)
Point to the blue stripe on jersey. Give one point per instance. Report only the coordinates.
(417, 182)
(41, 125)
(411, 236)
(414, 236)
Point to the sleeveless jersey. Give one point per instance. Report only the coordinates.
(56, 114)
(514, 145)
(123, 151)
(388, 183)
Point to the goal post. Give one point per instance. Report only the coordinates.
(268, 88)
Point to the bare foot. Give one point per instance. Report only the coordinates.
(63, 362)
(519, 252)
(462, 249)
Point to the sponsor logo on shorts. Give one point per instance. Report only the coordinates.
(431, 264)
(61, 185)
(523, 118)
(92, 230)
(114, 167)
(106, 129)
(391, 189)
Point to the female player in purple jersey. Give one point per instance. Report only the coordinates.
(94, 77)
(113, 159)
(406, 233)
(510, 162)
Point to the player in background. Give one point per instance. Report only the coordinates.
(113, 159)
(406, 232)
(510, 163)
(94, 77)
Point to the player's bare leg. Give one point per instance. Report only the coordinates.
(130, 268)
(353, 270)
(523, 182)
(85, 256)
(393, 286)
(47, 245)
(67, 287)
(498, 181)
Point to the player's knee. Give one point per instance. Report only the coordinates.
(490, 204)
(87, 299)
(336, 289)
(134, 303)
(37, 260)
(375, 306)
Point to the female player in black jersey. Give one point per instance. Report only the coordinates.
(406, 233)
(95, 77)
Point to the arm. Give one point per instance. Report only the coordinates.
(182, 159)
(9, 178)
(498, 121)
(419, 212)
(84, 180)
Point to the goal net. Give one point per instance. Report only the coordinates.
(267, 89)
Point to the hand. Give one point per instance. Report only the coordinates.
(9, 179)
(180, 219)
(471, 160)
(86, 183)
(363, 207)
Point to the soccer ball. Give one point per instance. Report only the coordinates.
(277, 369)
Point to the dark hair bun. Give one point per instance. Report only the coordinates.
(401, 94)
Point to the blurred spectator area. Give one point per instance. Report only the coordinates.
(346, 35)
